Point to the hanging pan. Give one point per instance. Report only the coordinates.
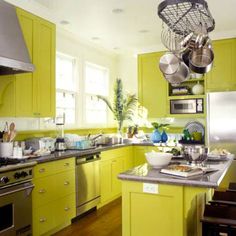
(201, 60)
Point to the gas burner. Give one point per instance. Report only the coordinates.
(8, 161)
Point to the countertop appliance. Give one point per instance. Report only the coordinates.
(15, 197)
(47, 143)
(186, 106)
(222, 120)
(87, 183)
(60, 144)
(14, 55)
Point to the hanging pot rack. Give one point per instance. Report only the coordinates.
(183, 16)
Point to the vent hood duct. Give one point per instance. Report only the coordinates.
(14, 55)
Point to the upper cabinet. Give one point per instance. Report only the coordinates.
(223, 74)
(32, 94)
(152, 85)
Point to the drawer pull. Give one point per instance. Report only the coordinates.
(66, 183)
(42, 220)
(42, 190)
(67, 164)
(41, 170)
(67, 208)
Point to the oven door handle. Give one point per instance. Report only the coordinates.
(31, 186)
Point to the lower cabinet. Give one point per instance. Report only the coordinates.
(139, 154)
(112, 163)
(53, 196)
(230, 176)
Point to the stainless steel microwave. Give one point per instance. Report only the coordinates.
(186, 106)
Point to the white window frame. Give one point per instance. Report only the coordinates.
(76, 89)
(85, 123)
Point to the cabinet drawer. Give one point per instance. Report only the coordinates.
(44, 169)
(65, 164)
(65, 209)
(43, 219)
(64, 183)
(43, 191)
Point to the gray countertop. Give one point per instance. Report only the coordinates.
(147, 174)
(57, 155)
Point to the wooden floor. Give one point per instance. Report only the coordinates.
(106, 221)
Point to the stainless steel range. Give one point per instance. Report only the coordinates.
(15, 198)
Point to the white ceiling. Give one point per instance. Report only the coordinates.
(121, 32)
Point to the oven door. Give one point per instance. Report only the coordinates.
(183, 106)
(16, 210)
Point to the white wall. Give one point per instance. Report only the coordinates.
(128, 72)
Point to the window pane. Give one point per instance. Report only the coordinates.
(65, 73)
(96, 111)
(96, 81)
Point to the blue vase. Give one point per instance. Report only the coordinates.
(156, 136)
(164, 136)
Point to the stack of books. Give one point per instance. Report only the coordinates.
(186, 170)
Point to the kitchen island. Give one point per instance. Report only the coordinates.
(156, 204)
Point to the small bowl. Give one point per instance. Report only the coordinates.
(158, 159)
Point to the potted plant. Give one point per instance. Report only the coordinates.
(123, 105)
(156, 136)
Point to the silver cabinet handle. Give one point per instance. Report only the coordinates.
(42, 220)
(66, 164)
(42, 190)
(66, 183)
(67, 208)
(41, 170)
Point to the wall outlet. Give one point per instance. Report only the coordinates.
(150, 188)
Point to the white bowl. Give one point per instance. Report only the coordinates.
(158, 159)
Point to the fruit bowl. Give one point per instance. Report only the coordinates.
(158, 159)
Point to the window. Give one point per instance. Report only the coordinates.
(65, 89)
(96, 83)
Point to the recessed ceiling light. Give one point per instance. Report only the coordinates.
(117, 10)
(64, 22)
(143, 31)
(95, 38)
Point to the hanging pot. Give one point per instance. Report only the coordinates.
(169, 63)
(180, 76)
(201, 60)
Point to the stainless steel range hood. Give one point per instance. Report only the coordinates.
(14, 55)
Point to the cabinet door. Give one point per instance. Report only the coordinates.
(139, 155)
(65, 209)
(45, 71)
(106, 180)
(7, 95)
(43, 219)
(117, 166)
(25, 83)
(222, 75)
(152, 85)
(128, 158)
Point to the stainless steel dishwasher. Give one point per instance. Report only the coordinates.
(87, 183)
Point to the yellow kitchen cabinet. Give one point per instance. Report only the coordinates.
(112, 163)
(65, 209)
(53, 196)
(43, 221)
(32, 94)
(222, 77)
(230, 176)
(152, 87)
(7, 95)
(139, 154)
(172, 211)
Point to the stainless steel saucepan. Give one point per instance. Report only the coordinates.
(201, 60)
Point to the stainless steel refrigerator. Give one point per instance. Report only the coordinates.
(222, 120)
(221, 125)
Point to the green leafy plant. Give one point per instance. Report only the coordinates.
(123, 106)
(157, 125)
